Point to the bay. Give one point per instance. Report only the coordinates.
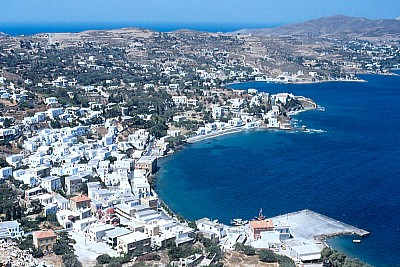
(349, 171)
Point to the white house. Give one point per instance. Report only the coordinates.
(15, 160)
(179, 118)
(235, 122)
(179, 100)
(97, 231)
(30, 120)
(26, 178)
(61, 202)
(192, 102)
(7, 134)
(51, 100)
(137, 241)
(205, 225)
(40, 116)
(72, 184)
(6, 172)
(51, 183)
(217, 111)
(54, 113)
(82, 226)
(273, 122)
(11, 229)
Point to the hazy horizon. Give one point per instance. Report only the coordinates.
(253, 12)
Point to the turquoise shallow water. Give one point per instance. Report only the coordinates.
(350, 172)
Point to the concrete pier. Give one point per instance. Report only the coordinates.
(309, 225)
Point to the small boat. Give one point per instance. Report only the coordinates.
(238, 222)
(356, 240)
(260, 216)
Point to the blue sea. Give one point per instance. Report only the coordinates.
(350, 171)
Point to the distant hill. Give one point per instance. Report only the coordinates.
(334, 25)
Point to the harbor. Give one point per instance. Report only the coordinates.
(307, 224)
(299, 235)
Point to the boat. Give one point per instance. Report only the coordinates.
(260, 216)
(238, 222)
(356, 240)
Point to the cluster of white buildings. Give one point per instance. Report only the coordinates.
(119, 208)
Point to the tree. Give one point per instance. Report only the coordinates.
(14, 213)
(83, 188)
(193, 225)
(7, 122)
(112, 159)
(115, 264)
(8, 215)
(103, 259)
(249, 250)
(55, 124)
(206, 242)
(37, 253)
(266, 255)
(18, 212)
(3, 163)
(175, 253)
(37, 207)
(25, 243)
(52, 217)
(214, 250)
(70, 260)
(159, 130)
(238, 246)
(326, 253)
(61, 248)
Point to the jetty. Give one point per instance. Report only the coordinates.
(308, 225)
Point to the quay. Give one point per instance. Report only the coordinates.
(308, 225)
(198, 138)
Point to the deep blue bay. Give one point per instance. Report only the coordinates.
(350, 172)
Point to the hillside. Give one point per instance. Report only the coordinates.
(335, 25)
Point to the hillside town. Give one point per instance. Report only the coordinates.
(89, 170)
(86, 116)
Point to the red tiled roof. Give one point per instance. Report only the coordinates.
(263, 224)
(79, 198)
(44, 234)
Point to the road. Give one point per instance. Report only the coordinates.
(149, 149)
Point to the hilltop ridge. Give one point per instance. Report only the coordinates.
(334, 25)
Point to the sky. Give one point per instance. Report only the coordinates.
(244, 12)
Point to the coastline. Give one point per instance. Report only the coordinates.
(317, 238)
(198, 138)
(308, 81)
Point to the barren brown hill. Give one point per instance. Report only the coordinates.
(335, 25)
